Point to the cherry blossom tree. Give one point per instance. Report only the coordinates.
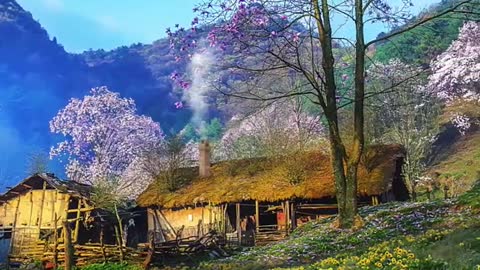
(273, 38)
(456, 76)
(104, 135)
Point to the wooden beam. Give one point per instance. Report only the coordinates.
(27, 186)
(257, 216)
(239, 228)
(86, 209)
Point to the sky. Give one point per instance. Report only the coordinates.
(80, 25)
(106, 24)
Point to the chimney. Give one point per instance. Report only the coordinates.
(204, 159)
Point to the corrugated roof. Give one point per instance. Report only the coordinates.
(36, 182)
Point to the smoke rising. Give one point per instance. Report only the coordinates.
(200, 72)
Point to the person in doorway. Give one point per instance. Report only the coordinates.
(132, 234)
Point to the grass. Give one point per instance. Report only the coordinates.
(463, 165)
(429, 235)
(442, 234)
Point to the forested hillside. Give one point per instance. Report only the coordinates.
(38, 77)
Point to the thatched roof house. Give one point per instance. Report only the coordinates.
(258, 186)
(268, 181)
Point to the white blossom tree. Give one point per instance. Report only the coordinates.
(406, 114)
(274, 130)
(104, 135)
(456, 76)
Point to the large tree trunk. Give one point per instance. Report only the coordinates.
(344, 168)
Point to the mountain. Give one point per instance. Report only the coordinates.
(38, 77)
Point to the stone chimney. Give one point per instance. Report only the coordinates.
(204, 159)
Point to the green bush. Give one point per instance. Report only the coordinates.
(471, 197)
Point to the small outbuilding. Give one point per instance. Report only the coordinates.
(32, 215)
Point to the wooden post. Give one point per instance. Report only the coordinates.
(151, 250)
(55, 241)
(14, 229)
(210, 213)
(286, 211)
(239, 228)
(67, 241)
(201, 222)
(54, 202)
(31, 209)
(292, 216)
(40, 215)
(120, 225)
(225, 216)
(104, 255)
(77, 221)
(119, 242)
(257, 216)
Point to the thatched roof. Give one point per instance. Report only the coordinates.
(36, 182)
(267, 180)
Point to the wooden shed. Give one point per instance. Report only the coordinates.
(267, 197)
(33, 211)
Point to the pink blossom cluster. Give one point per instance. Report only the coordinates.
(104, 135)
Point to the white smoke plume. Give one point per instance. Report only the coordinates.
(196, 96)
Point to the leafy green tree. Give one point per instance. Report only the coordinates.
(214, 130)
(190, 133)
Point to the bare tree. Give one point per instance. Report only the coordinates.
(37, 162)
(165, 161)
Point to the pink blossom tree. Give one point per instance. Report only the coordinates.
(456, 76)
(104, 135)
